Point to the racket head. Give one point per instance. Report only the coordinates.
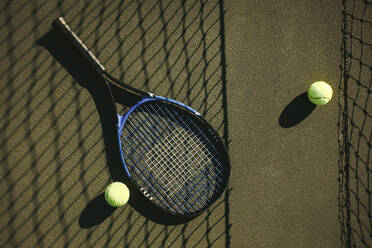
(172, 154)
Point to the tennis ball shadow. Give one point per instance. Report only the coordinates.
(95, 212)
(296, 111)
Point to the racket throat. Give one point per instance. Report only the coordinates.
(120, 121)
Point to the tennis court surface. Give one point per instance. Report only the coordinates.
(300, 173)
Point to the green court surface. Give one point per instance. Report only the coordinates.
(300, 176)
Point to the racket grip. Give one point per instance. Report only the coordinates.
(61, 25)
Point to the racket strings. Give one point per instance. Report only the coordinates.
(172, 141)
(182, 119)
(140, 171)
(171, 161)
(149, 178)
(170, 156)
(172, 138)
(145, 176)
(213, 155)
(203, 147)
(175, 180)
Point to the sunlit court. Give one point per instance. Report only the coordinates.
(185, 123)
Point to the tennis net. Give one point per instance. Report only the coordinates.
(354, 125)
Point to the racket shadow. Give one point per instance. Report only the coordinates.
(59, 47)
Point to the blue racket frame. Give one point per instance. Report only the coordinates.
(61, 24)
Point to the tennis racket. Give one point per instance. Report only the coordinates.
(168, 150)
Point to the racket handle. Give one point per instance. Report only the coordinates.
(61, 24)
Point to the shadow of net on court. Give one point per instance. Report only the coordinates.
(53, 157)
(354, 126)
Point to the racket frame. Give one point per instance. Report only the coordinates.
(61, 25)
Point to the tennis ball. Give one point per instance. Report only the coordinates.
(320, 93)
(117, 194)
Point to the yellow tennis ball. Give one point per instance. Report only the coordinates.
(117, 194)
(320, 93)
